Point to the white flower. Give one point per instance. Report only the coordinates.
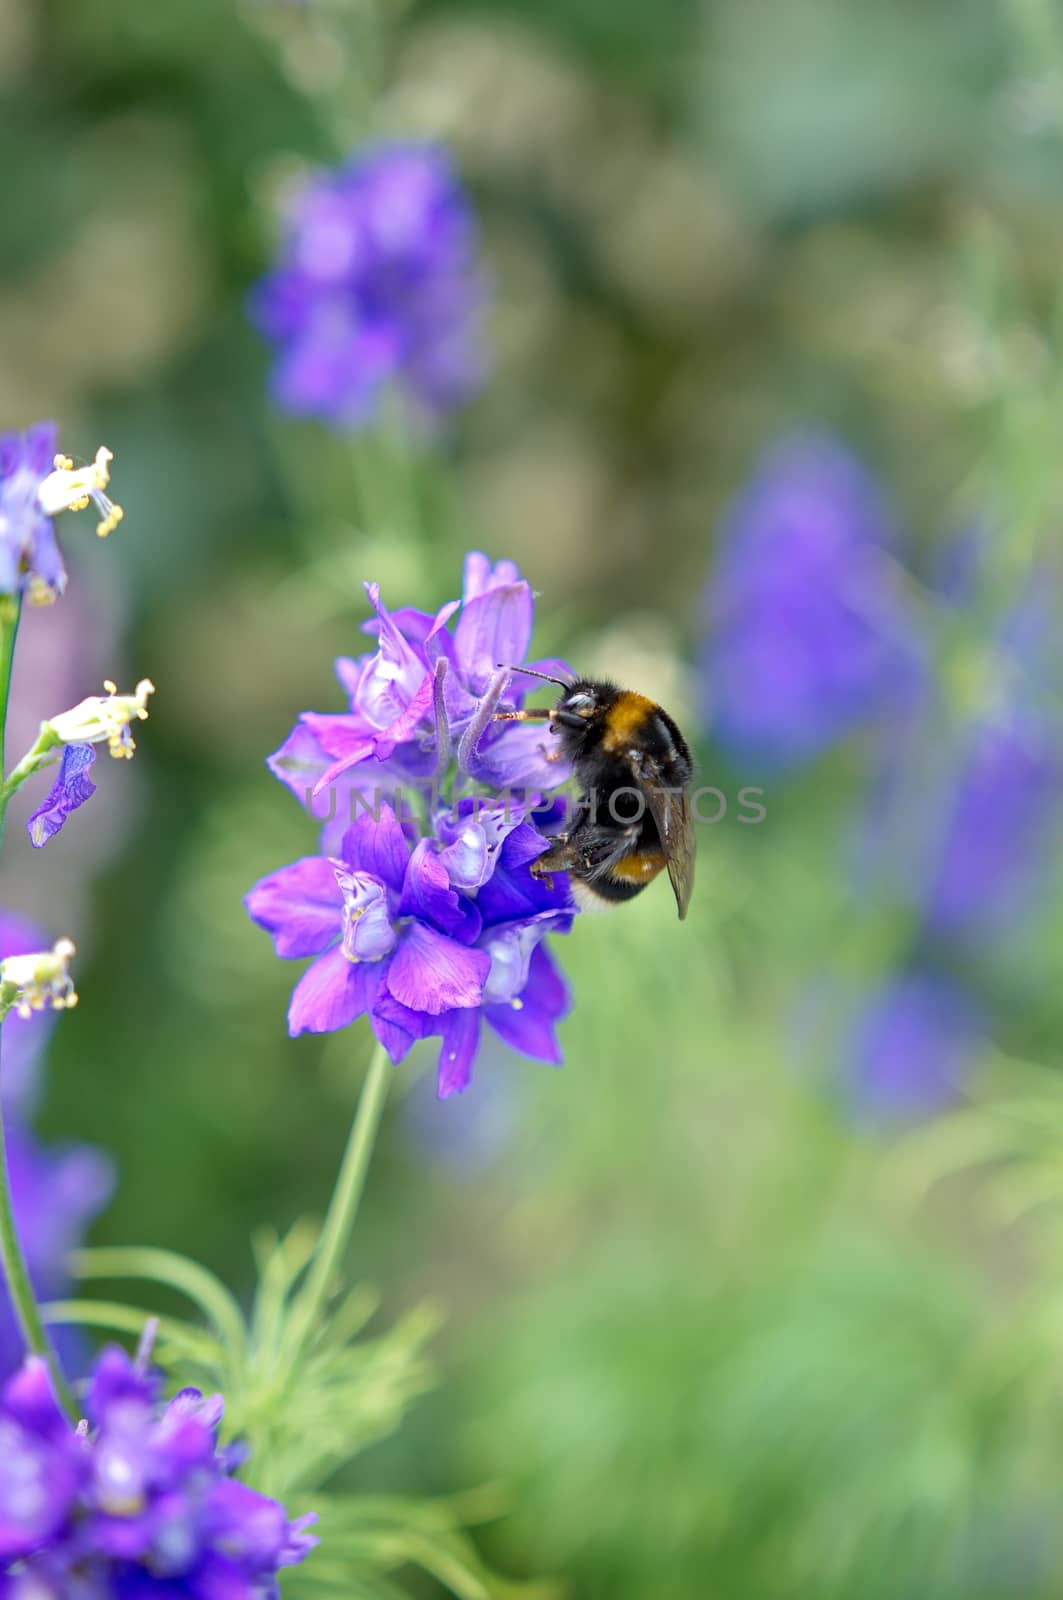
(70, 488)
(42, 979)
(104, 717)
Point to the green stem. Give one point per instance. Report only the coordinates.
(17, 1280)
(10, 612)
(343, 1207)
(16, 1275)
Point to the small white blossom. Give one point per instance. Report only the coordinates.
(42, 979)
(70, 488)
(104, 717)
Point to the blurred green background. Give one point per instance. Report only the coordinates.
(714, 1336)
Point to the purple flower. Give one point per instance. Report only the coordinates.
(30, 560)
(997, 825)
(426, 693)
(377, 285)
(429, 938)
(913, 1047)
(70, 790)
(807, 634)
(24, 1038)
(139, 1505)
(56, 1193)
(961, 819)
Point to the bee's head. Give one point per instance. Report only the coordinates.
(579, 716)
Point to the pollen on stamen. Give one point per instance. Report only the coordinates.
(42, 979)
(70, 488)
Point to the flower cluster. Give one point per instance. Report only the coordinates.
(377, 285)
(430, 937)
(807, 635)
(36, 484)
(429, 693)
(138, 1503)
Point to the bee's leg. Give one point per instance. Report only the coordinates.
(536, 714)
(562, 856)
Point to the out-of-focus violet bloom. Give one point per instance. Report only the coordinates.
(56, 1195)
(70, 790)
(24, 1038)
(961, 818)
(429, 938)
(807, 634)
(997, 825)
(35, 484)
(377, 286)
(29, 555)
(140, 1505)
(912, 1048)
(429, 692)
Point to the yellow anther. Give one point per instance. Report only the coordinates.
(70, 488)
(105, 718)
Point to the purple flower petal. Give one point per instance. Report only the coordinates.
(378, 846)
(397, 1027)
(511, 947)
(248, 1526)
(473, 838)
(480, 576)
(461, 1035)
(115, 1381)
(396, 672)
(30, 1399)
(427, 894)
(367, 931)
(432, 973)
(512, 892)
(71, 789)
(494, 630)
(300, 760)
(331, 994)
(300, 907)
(527, 1025)
(39, 1481)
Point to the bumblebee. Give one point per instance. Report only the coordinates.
(634, 768)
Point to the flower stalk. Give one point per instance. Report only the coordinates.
(346, 1196)
(12, 1259)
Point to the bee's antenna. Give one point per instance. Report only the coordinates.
(531, 673)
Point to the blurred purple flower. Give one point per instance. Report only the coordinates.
(427, 693)
(972, 847)
(912, 1047)
(430, 939)
(24, 1038)
(807, 634)
(70, 790)
(140, 1507)
(992, 848)
(377, 285)
(56, 1195)
(29, 555)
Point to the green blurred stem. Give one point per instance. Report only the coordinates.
(10, 612)
(16, 1276)
(346, 1196)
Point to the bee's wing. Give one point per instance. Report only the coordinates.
(670, 810)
